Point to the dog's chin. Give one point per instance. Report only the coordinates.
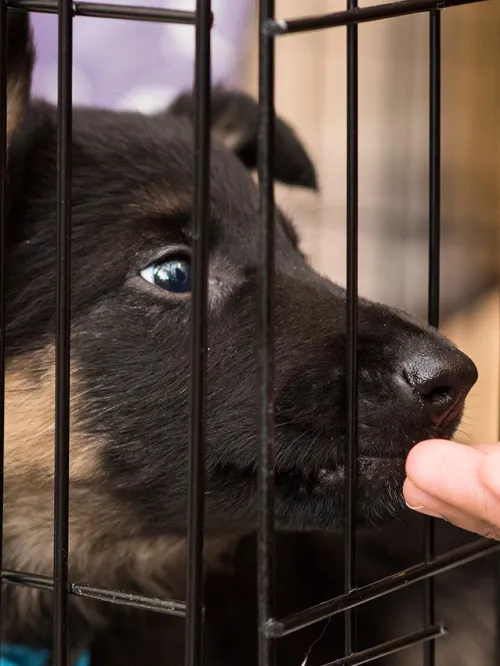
(314, 500)
(317, 501)
(332, 480)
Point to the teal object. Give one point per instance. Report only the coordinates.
(20, 655)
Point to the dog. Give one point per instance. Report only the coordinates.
(132, 192)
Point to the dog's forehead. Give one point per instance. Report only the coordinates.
(154, 158)
(142, 171)
(154, 154)
(147, 145)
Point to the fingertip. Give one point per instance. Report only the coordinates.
(423, 454)
(431, 462)
(411, 495)
(489, 472)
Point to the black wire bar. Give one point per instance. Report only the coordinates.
(104, 10)
(62, 367)
(39, 582)
(390, 647)
(199, 343)
(265, 340)
(359, 15)
(351, 440)
(3, 177)
(429, 535)
(454, 558)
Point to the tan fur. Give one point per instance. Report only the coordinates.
(226, 130)
(29, 421)
(105, 543)
(17, 96)
(157, 201)
(230, 138)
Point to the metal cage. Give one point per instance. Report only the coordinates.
(269, 628)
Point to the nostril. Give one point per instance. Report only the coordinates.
(444, 403)
(441, 400)
(442, 383)
(440, 394)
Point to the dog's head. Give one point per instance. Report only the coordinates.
(130, 341)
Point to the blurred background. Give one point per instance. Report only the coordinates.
(140, 66)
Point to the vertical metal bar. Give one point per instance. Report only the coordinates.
(434, 270)
(434, 167)
(351, 454)
(265, 316)
(3, 176)
(62, 415)
(199, 325)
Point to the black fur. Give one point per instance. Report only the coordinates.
(236, 114)
(131, 207)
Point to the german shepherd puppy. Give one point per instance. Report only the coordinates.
(132, 190)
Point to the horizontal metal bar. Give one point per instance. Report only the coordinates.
(27, 580)
(390, 647)
(358, 15)
(104, 10)
(361, 595)
(165, 606)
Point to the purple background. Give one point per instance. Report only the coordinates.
(139, 66)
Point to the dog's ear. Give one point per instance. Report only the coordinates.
(20, 57)
(235, 122)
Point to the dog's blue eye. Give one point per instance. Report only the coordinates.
(173, 274)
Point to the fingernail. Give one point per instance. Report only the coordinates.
(415, 508)
(421, 509)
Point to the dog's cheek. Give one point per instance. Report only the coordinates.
(108, 544)
(29, 460)
(29, 420)
(96, 519)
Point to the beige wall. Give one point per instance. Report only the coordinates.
(393, 119)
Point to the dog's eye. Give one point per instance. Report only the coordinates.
(172, 274)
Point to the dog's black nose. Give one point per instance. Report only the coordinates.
(442, 382)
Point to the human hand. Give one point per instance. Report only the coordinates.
(458, 483)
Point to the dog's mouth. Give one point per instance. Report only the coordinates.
(310, 495)
(331, 478)
(322, 479)
(301, 480)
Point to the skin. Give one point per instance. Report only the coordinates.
(458, 483)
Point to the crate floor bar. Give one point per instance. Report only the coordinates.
(396, 645)
(468, 553)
